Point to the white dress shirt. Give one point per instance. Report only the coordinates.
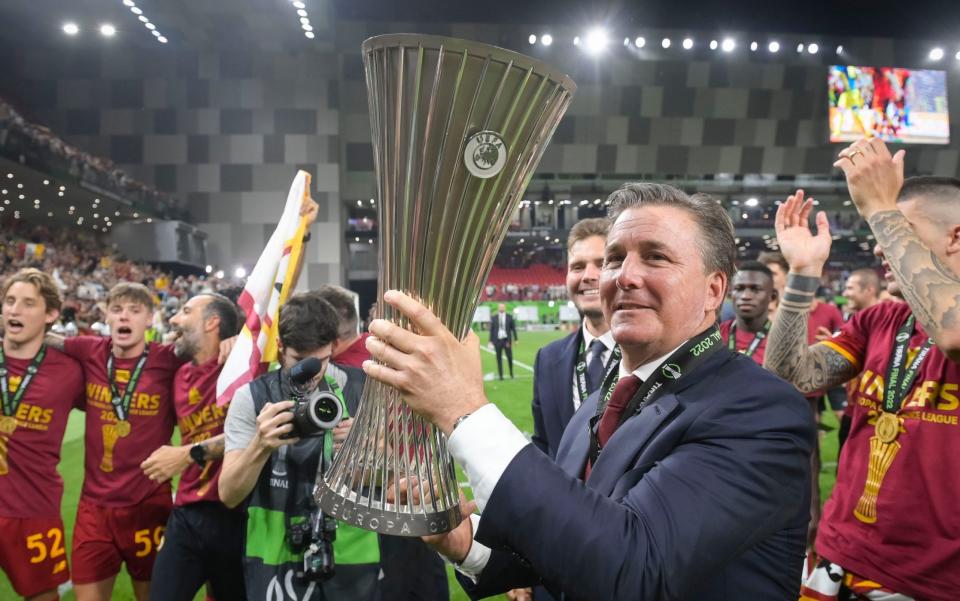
(588, 338)
(484, 444)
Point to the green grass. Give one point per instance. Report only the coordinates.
(511, 396)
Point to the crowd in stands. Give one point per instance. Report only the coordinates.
(37, 147)
(85, 269)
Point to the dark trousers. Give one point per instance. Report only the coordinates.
(500, 346)
(412, 571)
(203, 542)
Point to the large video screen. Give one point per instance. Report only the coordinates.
(896, 105)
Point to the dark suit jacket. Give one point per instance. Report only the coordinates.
(702, 496)
(553, 391)
(495, 328)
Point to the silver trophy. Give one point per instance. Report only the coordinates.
(458, 128)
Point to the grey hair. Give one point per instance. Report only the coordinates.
(718, 247)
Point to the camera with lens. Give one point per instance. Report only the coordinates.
(314, 538)
(311, 416)
(318, 561)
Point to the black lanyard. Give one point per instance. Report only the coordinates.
(10, 405)
(678, 365)
(121, 404)
(899, 381)
(757, 338)
(580, 370)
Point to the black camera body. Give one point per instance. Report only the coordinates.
(318, 560)
(311, 416)
(314, 538)
(314, 416)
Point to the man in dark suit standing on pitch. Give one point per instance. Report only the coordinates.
(503, 333)
(566, 371)
(685, 477)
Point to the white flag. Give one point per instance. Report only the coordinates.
(271, 282)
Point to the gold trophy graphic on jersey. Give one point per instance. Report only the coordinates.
(111, 434)
(883, 450)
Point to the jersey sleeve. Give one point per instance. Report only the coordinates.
(81, 347)
(852, 340)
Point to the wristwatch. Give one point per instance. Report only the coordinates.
(198, 454)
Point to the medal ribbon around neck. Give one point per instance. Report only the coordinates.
(121, 403)
(580, 370)
(10, 405)
(757, 339)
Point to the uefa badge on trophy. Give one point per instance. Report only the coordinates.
(458, 128)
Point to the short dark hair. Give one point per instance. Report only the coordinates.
(306, 323)
(756, 266)
(718, 248)
(229, 314)
(930, 186)
(342, 302)
(587, 228)
(772, 256)
(868, 277)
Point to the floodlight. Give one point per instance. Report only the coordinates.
(596, 41)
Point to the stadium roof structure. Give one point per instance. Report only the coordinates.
(226, 23)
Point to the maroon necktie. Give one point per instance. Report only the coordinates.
(624, 391)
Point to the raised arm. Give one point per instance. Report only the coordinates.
(809, 368)
(930, 287)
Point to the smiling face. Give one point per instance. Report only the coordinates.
(25, 314)
(654, 288)
(190, 326)
(859, 293)
(583, 275)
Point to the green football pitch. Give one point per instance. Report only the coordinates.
(512, 396)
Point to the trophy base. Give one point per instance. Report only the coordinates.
(379, 516)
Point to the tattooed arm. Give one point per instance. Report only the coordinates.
(808, 368)
(213, 447)
(929, 286)
(168, 461)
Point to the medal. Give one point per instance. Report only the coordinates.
(8, 424)
(123, 428)
(887, 427)
(884, 445)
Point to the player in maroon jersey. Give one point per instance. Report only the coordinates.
(753, 293)
(889, 526)
(203, 540)
(122, 513)
(39, 386)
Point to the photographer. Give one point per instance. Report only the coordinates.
(273, 460)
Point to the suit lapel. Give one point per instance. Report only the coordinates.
(628, 441)
(564, 380)
(575, 444)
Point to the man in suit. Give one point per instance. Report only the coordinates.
(695, 474)
(566, 371)
(503, 333)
